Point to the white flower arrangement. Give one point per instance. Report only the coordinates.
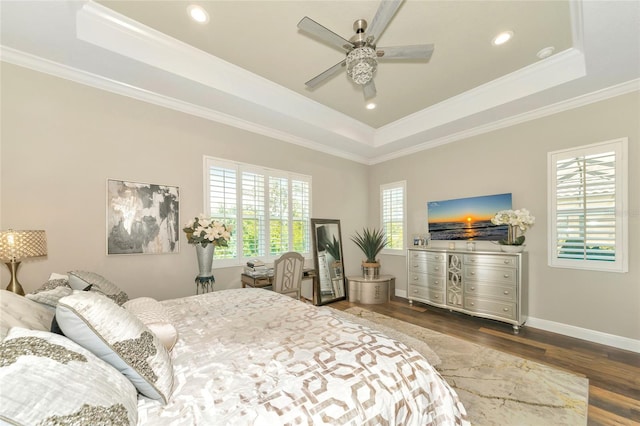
(516, 220)
(204, 230)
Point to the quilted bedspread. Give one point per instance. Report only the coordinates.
(254, 357)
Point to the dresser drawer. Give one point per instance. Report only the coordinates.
(438, 269)
(417, 256)
(424, 280)
(494, 275)
(491, 307)
(504, 293)
(417, 278)
(426, 293)
(490, 260)
(417, 266)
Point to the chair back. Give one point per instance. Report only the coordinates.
(287, 274)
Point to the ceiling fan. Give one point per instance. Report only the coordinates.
(362, 54)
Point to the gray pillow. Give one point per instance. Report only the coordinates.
(119, 338)
(49, 380)
(50, 292)
(79, 280)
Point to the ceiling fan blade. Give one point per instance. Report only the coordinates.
(385, 12)
(312, 27)
(320, 78)
(369, 90)
(419, 51)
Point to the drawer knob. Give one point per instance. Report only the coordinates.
(472, 259)
(436, 282)
(473, 304)
(436, 297)
(415, 278)
(415, 290)
(437, 268)
(506, 292)
(506, 275)
(473, 288)
(507, 261)
(473, 273)
(506, 309)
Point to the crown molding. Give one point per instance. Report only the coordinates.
(569, 104)
(62, 71)
(55, 69)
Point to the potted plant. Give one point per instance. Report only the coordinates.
(517, 221)
(206, 234)
(371, 242)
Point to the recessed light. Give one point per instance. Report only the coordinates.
(198, 14)
(546, 52)
(502, 38)
(371, 105)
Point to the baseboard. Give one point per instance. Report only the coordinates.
(573, 331)
(586, 334)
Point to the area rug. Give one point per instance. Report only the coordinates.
(496, 388)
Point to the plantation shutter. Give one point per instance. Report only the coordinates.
(254, 230)
(393, 214)
(269, 210)
(587, 196)
(278, 215)
(222, 186)
(300, 215)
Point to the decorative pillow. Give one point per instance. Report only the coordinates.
(18, 311)
(49, 380)
(78, 280)
(156, 317)
(119, 338)
(51, 291)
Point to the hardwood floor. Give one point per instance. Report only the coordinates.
(614, 374)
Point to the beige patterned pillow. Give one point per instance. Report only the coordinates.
(18, 311)
(49, 380)
(79, 280)
(119, 338)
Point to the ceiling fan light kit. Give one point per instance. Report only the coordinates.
(361, 51)
(361, 64)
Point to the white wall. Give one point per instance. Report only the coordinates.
(514, 160)
(61, 141)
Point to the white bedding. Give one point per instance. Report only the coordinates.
(250, 356)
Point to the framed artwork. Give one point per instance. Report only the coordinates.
(468, 218)
(142, 218)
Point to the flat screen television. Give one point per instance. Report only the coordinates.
(467, 218)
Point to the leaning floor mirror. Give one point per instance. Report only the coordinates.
(327, 255)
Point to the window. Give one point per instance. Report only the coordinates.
(392, 216)
(588, 207)
(269, 210)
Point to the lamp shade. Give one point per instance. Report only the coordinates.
(17, 245)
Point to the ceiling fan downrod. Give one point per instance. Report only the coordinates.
(362, 60)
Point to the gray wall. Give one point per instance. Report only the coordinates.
(61, 141)
(514, 160)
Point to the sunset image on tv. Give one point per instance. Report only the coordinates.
(467, 218)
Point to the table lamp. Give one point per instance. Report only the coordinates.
(18, 245)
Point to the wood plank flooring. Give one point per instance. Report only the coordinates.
(614, 374)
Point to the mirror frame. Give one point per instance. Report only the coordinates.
(338, 284)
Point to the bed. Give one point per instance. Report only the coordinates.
(241, 356)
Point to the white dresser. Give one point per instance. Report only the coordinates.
(487, 284)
